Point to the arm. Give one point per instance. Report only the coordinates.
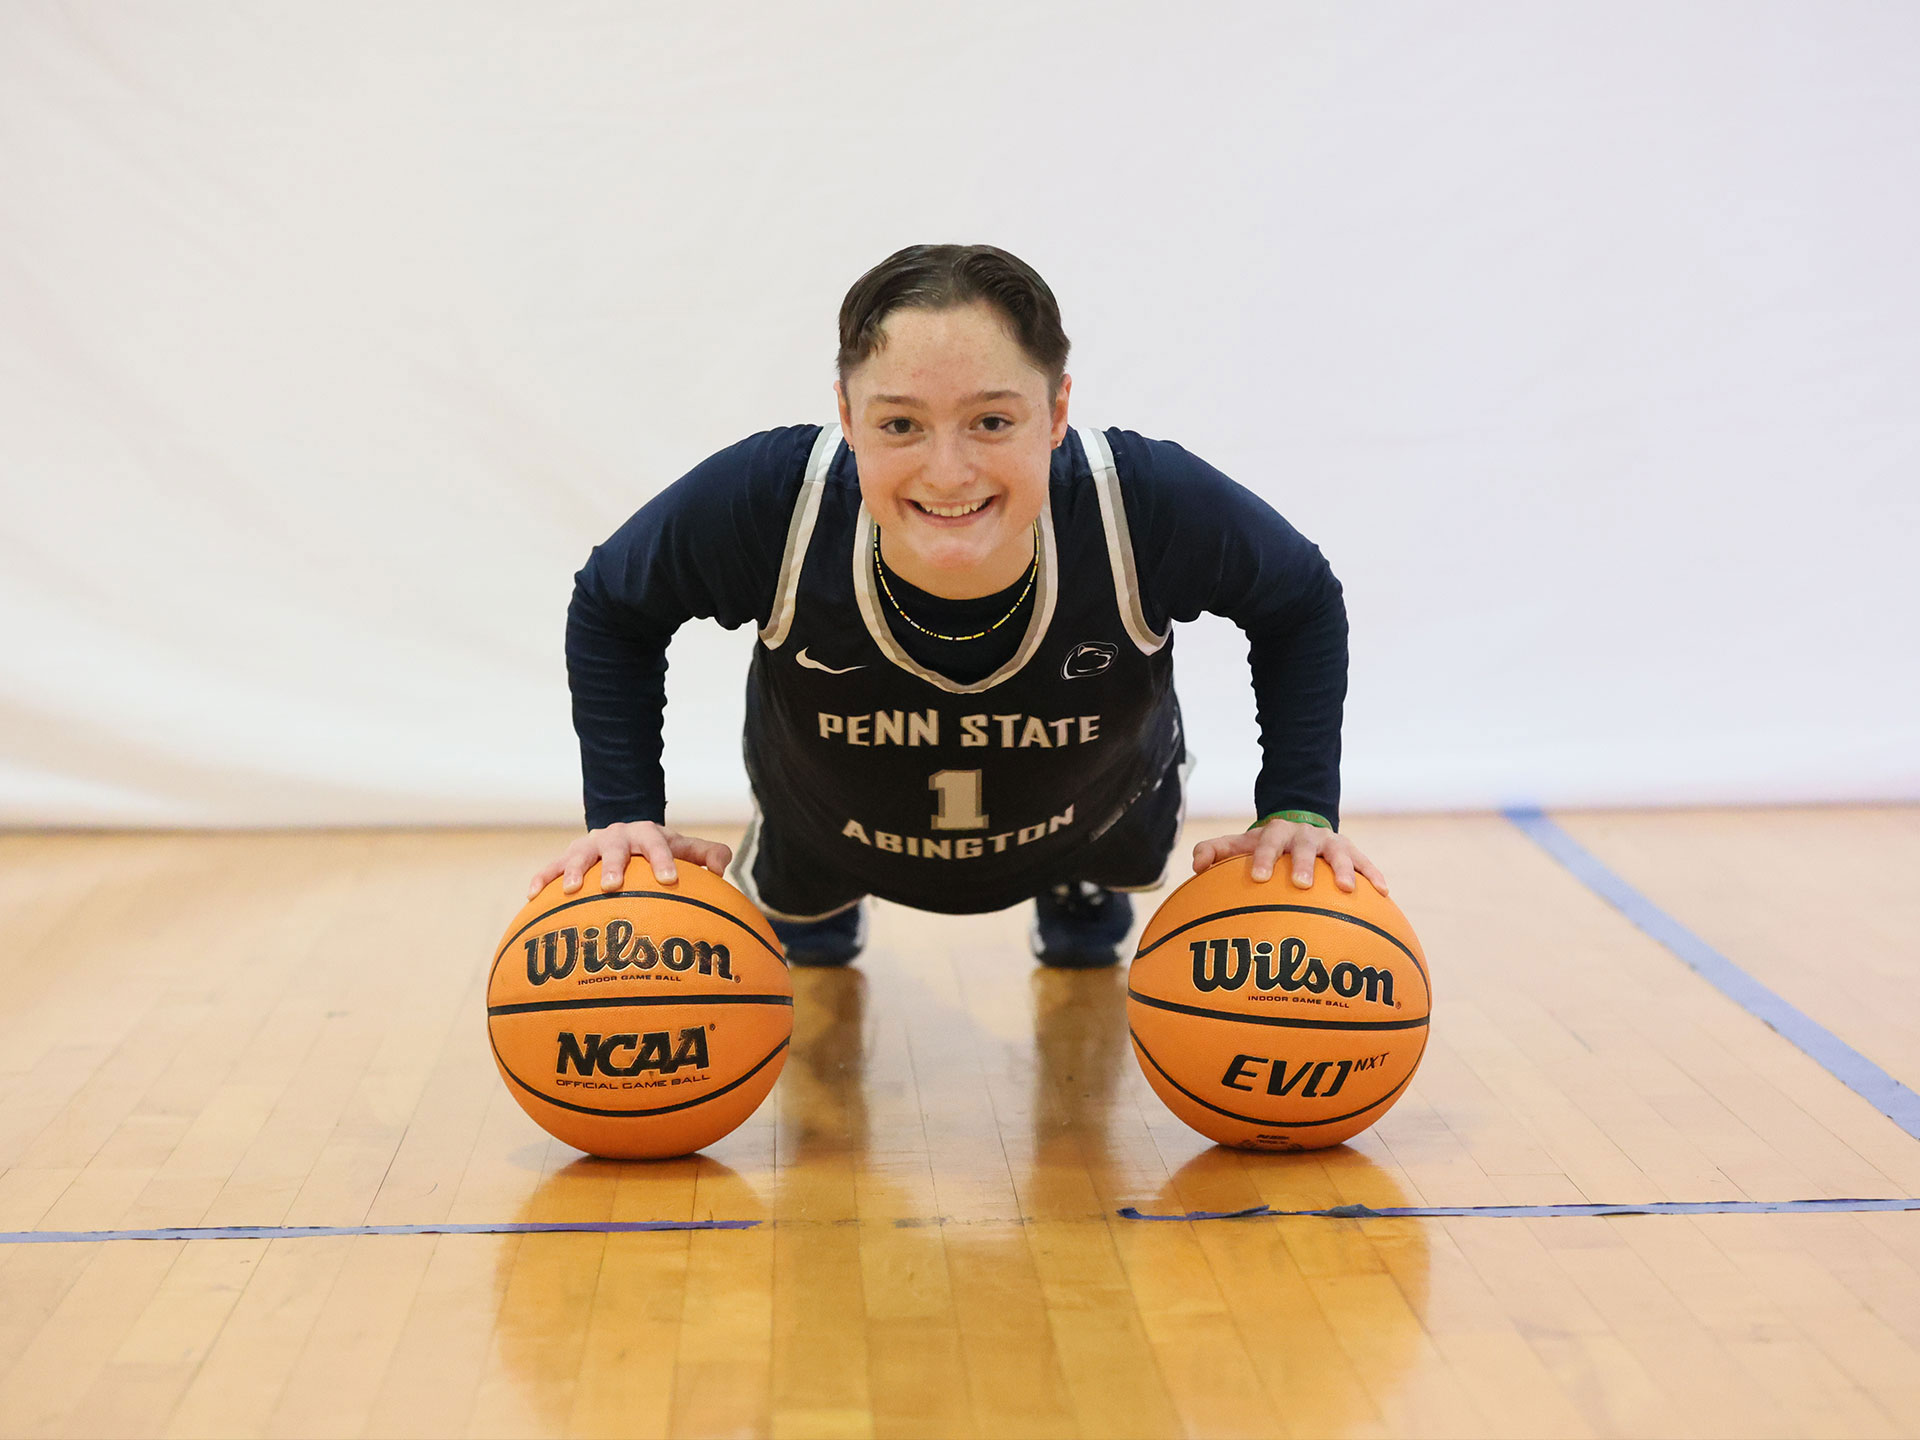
(1204, 543)
(708, 546)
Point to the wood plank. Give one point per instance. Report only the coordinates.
(335, 1380)
(937, 1176)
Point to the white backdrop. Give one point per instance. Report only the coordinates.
(1584, 338)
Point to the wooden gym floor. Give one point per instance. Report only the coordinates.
(285, 1030)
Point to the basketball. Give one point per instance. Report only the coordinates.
(1274, 1018)
(642, 1022)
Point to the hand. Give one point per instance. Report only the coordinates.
(1278, 837)
(614, 845)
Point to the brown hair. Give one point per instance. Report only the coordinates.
(942, 277)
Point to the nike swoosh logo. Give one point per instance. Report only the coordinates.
(808, 664)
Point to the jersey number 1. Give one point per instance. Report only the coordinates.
(960, 800)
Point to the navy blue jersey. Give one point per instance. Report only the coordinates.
(1139, 533)
(931, 791)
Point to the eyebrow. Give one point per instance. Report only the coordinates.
(975, 399)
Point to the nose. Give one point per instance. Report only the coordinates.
(948, 468)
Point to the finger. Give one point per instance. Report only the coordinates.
(659, 854)
(1305, 848)
(576, 860)
(710, 853)
(1340, 857)
(1207, 854)
(544, 877)
(614, 852)
(1267, 852)
(1372, 871)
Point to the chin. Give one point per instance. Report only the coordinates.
(954, 559)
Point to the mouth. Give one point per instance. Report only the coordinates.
(961, 510)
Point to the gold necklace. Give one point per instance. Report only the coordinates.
(1033, 571)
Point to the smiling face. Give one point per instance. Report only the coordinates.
(953, 432)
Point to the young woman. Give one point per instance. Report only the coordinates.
(963, 692)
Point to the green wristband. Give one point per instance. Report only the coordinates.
(1298, 817)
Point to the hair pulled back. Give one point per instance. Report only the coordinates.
(944, 277)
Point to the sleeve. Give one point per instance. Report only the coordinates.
(708, 546)
(1204, 543)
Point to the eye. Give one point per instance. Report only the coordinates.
(906, 425)
(997, 423)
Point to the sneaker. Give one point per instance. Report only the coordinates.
(1080, 926)
(832, 941)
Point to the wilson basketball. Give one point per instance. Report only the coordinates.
(643, 1022)
(1275, 1018)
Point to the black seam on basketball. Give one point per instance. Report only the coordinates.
(1175, 1005)
(507, 1070)
(1386, 935)
(608, 1002)
(735, 920)
(1261, 1119)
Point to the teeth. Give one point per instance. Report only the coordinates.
(950, 512)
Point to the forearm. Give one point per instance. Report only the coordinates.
(707, 546)
(1300, 689)
(1207, 545)
(618, 681)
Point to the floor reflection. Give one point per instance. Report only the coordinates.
(1337, 1307)
(823, 1092)
(1080, 1042)
(941, 1165)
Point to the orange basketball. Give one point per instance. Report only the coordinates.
(642, 1022)
(1275, 1018)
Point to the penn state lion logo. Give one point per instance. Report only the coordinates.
(1089, 657)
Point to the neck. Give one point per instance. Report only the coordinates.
(1004, 567)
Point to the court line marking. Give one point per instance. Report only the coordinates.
(1126, 1212)
(1546, 1212)
(1821, 1045)
(309, 1232)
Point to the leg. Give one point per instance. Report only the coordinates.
(818, 915)
(1081, 923)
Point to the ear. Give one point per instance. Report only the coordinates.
(1060, 410)
(846, 415)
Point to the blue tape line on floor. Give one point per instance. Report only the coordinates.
(309, 1232)
(1547, 1212)
(1258, 1212)
(1829, 1051)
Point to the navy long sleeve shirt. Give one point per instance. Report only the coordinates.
(710, 546)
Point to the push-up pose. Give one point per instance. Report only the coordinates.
(963, 692)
